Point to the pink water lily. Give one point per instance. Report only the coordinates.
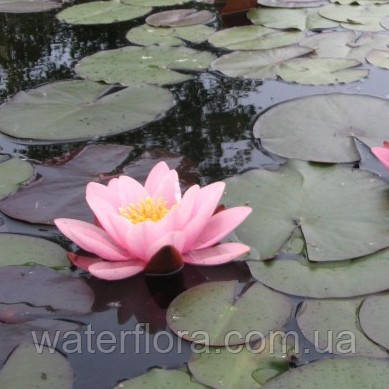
(153, 228)
(382, 153)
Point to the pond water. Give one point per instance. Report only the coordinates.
(211, 126)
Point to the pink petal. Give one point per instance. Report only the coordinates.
(155, 176)
(175, 239)
(91, 238)
(382, 153)
(104, 192)
(130, 191)
(220, 225)
(216, 255)
(168, 188)
(184, 209)
(108, 270)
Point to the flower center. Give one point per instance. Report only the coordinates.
(145, 210)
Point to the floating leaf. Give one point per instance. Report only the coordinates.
(332, 326)
(320, 280)
(13, 173)
(321, 128)
(28, 6)
(60, 189)
(101, 12)
(180, 18)
(69, 110)
(155, 3)
(223, 368)
(146, 35)
(379, 58)
(373, 317)
(321, 71)
(257, 65)
(22, 250)
(292, 3)
(161, 379)
(41, 286)
(298, 19)
(359, 2)
(253, 38)
(151, 64)
(217, 308)
(345, 373)
(28, 368)
(343, 213)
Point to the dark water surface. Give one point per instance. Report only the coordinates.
(211, 125)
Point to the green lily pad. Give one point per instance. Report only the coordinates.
(101, 12)
(373, 317)
(13, 173)
(343, 213)
(180, 18)
(22, 250)
(28, 6)
(345, 373)
(292, 3)
(223, 368)
(359, 2)
(321, 128)
(161, 379)
(153, 64)
(379, 58)
(257, 65)
(146, 35)
(298, 19)
(253, 38)
(322, 71)
(358, 18)
(69, 110)
(155, 3)
(325, 280)
(332, 326)
(217, 308)
(26, 368)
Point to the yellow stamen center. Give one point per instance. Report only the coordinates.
(145, 210)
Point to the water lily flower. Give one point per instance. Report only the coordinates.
(382, 153)
(153, 228)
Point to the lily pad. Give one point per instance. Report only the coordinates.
(355, 373)
(322, 71)
(60, 189)
(155, 3)
(379, 58)
(217, 308)
(253, 38)
(69, 110)
(153, 64)
(292, 3)
(180, 18)
(26, 368)
(28, 6)
(146, 35)
(373, 317)
(102, 12)
(298, 19)
(321, 128)
(41, 286)
(13, 173)
(325, 280)
(257, 65)
(23, 250)
(332, 326)
(161, 379)
(343, 213)
(223, 368)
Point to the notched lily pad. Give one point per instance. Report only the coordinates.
(14, 172)
(379, 58)
(146, 35)
(23, 250)
(343, 213)
(28, 6)
(321, 128)
(153, 64)
(180, 18)
(102, 12)
(217, 308)
(70, 110)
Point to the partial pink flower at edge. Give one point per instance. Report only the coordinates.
(382, 153)
(141, 228)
